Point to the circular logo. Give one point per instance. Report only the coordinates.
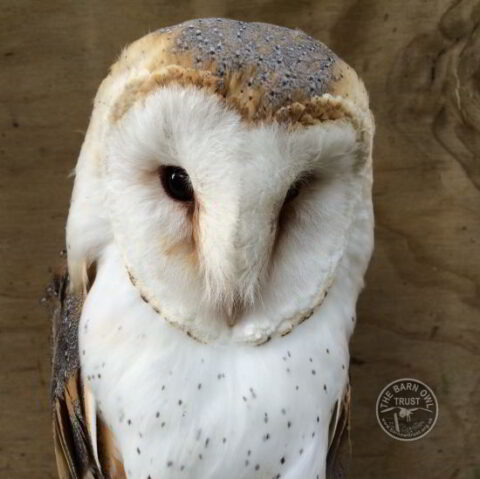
(407, 409)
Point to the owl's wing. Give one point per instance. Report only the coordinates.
(84, 447)
(339, 452)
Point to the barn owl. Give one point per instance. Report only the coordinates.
(219, 231)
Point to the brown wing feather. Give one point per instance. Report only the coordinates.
(108, 454)
(74, 449)
(339, 452)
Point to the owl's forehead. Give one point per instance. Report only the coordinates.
(265, 72)
(284, 63)
(192, 128)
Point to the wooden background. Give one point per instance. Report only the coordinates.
(419, 315)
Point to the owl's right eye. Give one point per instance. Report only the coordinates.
(176, 183)
(293, 191)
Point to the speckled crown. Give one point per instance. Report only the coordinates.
(266, 72)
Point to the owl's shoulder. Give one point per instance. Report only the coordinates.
(79, 453)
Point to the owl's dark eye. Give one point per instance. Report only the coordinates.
(176, 183)
(293, 191)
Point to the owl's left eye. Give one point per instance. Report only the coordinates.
(176, 183)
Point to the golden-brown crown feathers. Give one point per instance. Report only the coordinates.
(265, 72)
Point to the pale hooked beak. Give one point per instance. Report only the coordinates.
(232, 313)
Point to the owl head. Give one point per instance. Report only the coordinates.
(228, 166)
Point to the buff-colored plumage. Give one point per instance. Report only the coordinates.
(213, 334)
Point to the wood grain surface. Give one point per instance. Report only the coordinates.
(420, 313)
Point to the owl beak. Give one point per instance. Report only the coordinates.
(231, 320)
(235, 256)
(232, 313)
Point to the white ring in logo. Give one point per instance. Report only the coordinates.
(407, 409)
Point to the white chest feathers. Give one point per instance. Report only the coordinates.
(182, 409)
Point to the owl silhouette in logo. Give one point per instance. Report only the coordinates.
(219, 231)
(404, 412)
